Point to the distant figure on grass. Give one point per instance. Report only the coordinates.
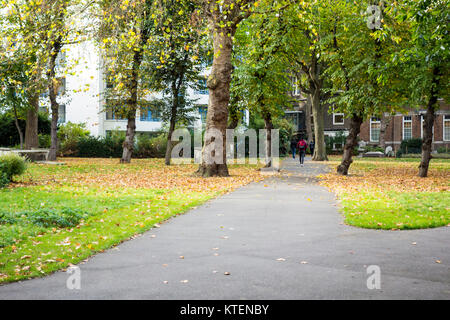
(301, 146)
(311, 147)
(293, 146)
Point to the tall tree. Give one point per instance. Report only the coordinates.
(35, 33)
(124, 32)
(177, 51)
(425, 61)
(260, 77)
(24, 31)
(13, 82)
(357, 58)
(223, 17)
(308, 24)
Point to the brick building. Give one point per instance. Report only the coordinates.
(401, 127)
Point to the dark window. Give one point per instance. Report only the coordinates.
(203, 110)
(148, 114)
(62, 113)
(112, 111)
(338, 118)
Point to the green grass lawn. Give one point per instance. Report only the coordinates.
(60, 215)
(387, 194)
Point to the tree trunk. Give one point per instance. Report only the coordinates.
(234, 116)
(128, 144)
(219, 97)
(173, 118)
(308, 126)
(350, 144)
(428, 131)
(52, 92)
(320, 152)
(31, 127)
(53, 134)
(16, 121)
(268, 125)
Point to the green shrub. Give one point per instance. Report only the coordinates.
(44, 141)
(11, 165)
(19, 225)
(64, 218)
(434, 156)
(411, 146)
(286, 130)
(92, 147)
(68, 136)
(4, 181)
(151, 147)
(443, 150)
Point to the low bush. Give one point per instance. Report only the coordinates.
(418, 156)
(411, 146)
(18, 225)
(64, 218)
(68, 135)
(94, 147)
(443, 150)
(44, 141)
(151, 147)
(11, 165)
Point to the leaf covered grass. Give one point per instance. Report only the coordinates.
(56, 216)
(388, 194)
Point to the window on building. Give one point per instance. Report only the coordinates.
(62, 113)
(148, 114)
(295, 87)
(62, 86)
(202, 87)
(407, 127)
(375, 126)
(203, 110)
(446, 128)
(338, 118)
(422, 122)
(112, 111)
(337, 146)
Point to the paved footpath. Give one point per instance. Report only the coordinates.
(282, 238)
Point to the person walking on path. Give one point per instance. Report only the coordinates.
(311, 147)
(301, 146)
(293, 146)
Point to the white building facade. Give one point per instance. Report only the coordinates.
(84, 102)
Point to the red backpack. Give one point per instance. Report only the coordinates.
(301, 145)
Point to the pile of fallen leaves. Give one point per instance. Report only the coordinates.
(383, 176)
(141, 173)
